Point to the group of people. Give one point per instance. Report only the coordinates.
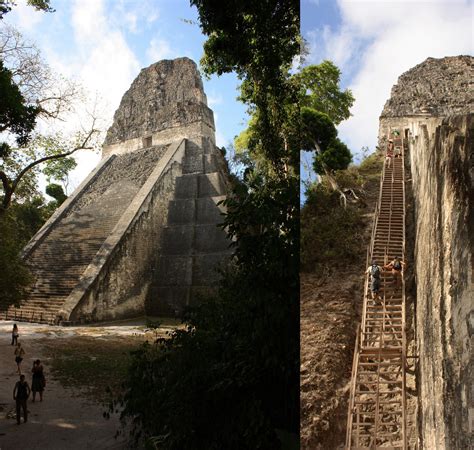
(374, 270)
(22, 390)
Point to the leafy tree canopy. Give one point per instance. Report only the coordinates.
(56, 191)
(258, 41)
(336, 156)
(317, 129)
(15, 115)
(321, 91)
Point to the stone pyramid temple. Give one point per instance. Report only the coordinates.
(140, 235)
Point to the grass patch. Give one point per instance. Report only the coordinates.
(96, 366)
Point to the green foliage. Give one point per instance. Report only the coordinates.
(59, 169)
(258, 41)
(15, 115)
(324, 105)
(30, 215)
(371, 165)
(14, 276)
(321, 91)
(329, 232)
(56, 191)
(336, 156)
(317, 129)
(22, 166)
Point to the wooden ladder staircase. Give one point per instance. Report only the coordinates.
(377, 403)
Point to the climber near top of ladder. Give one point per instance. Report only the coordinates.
(389, 154)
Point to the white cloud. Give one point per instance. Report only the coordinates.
(152, 17)
(131, 20)
(395, 36)
(103, 62)
(88, 20)
(159, 49)
(25, 16)
(214, 99)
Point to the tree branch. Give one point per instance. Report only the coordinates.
(82, 146)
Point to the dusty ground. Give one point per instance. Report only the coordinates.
(68, 417)
(329, 317)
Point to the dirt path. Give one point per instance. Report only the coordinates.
(65, 419)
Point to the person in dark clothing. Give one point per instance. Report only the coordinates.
(374, 271)
(38, 381)
(21, 392)
(397, 267)
(15, 334)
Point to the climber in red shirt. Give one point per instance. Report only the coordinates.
(389, 155)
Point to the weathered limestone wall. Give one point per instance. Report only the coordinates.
(442, 174)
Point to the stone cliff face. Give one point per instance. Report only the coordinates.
(432, 107)
(442, 169)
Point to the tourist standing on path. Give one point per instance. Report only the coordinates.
(38, 382)
(19, 354)
(374, 270)
(15, 334)
(21, 392)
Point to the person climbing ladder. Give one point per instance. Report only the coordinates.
(397, 267)
(374, 270)
(389, 154)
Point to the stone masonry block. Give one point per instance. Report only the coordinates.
(174, 270)
(210, 238)
(177, 240)
(193, 164)
(168, 301)
(208, 211)
(186, 186)
(210, 164)
(181, 211)
(205, 268)
(211, 185)
(192, 150)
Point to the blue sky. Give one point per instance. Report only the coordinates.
(105, 43)
(374, 41)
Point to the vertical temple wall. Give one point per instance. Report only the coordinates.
(441, 162)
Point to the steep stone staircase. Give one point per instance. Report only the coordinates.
(58, 263)
(377, 416)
